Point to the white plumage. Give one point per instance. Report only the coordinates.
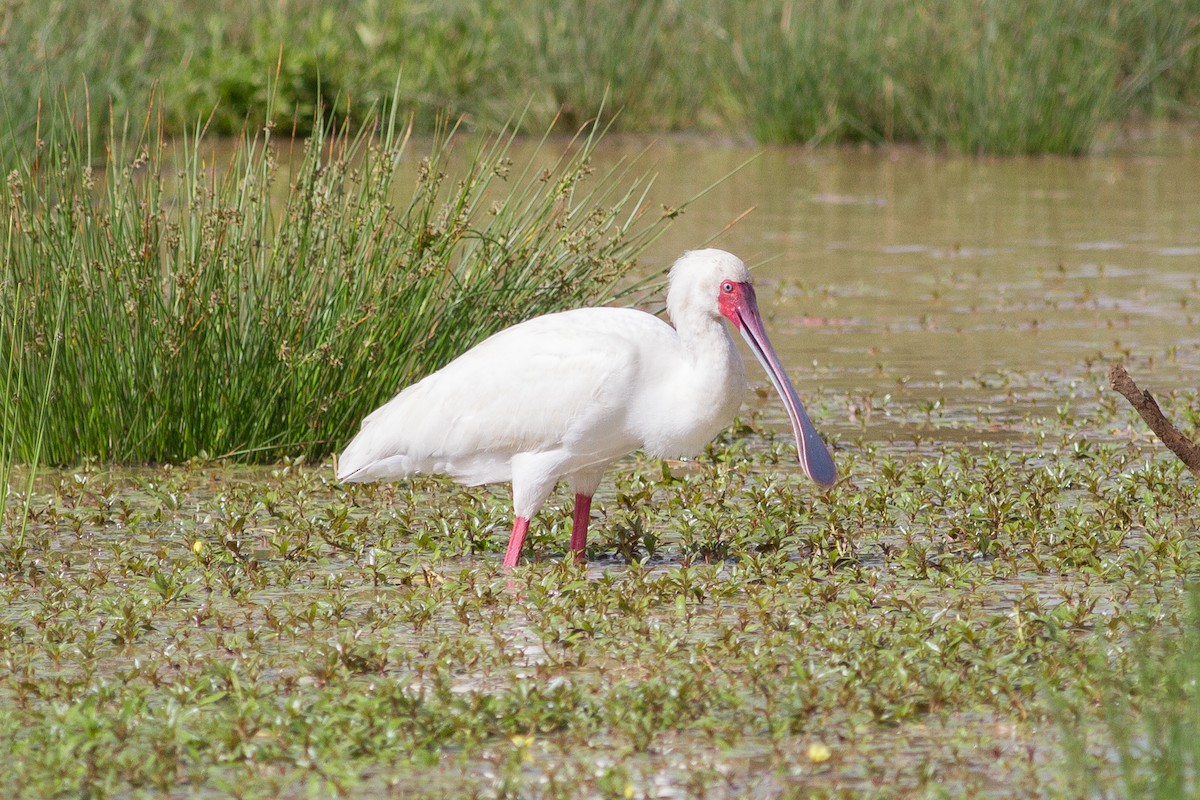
(564, 395)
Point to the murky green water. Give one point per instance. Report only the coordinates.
(977, 289)
(953, 266)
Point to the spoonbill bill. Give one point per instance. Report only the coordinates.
(565, 395)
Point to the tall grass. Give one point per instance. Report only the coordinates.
(1147, 743)
(234, 308)
(51, 49)
(997, 77)
(21, 437)
(648, 60)
(983, 76)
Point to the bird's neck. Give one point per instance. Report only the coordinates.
(708, 344)
(707, 385)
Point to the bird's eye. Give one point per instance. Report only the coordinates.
(727, 287)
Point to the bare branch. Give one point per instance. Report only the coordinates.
(1148, 409)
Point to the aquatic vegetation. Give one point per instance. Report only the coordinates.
(261, 302)
(1038, 76)
(996, 77)
(21, 440)
(924, 623)
(1000, 579)
(1146, 742)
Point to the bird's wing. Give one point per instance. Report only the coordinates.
(557, 380)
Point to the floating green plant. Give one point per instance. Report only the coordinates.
(213, 626)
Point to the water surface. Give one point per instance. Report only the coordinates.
(948, 278)
(912, 296)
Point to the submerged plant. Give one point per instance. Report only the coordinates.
(199, 627)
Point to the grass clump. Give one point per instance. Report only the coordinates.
(1146, 740)
(992, 77)
(21, 439)
(645, 60)
(1001, 77)
(222, 304)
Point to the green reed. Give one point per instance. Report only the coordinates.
(260, 302)
(988, 76)
(1146, 741)
(651, 61)
(983, 77)
(21, 438)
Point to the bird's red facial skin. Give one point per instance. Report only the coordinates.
(731, 297)
(737, 303)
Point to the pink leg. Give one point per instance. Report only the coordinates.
(579, 525)
(520, 528)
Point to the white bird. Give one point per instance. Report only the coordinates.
(565, 395)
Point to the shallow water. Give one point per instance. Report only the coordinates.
(903, 271)
(921, 303)
(938, 277)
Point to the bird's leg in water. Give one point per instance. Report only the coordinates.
(579, 526)
(520, 528)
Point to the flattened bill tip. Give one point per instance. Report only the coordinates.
(818, 464)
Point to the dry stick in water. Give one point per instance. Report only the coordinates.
(1146, 406)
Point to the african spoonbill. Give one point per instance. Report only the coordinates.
(565, 395)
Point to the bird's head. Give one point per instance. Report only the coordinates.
(707, 283)
(714, 284)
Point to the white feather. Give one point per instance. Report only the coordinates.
(564, 395)
(599, 382)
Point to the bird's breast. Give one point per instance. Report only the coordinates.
(695, 401)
